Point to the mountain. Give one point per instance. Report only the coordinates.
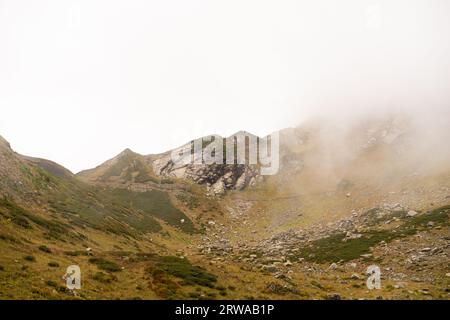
(128, 166)
(152, 170)
(347, 195)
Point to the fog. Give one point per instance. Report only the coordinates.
(82, 80)
(381, 149)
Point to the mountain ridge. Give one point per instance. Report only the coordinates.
(345, 197)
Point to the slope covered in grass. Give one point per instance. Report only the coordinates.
(153, 203)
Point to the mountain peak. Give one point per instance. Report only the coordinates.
(126, 152)
(241, 133)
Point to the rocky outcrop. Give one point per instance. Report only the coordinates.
(218, 177)
(131, 168)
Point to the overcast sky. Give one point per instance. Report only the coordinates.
(82, 80)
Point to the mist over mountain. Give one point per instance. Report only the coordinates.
(350, 190)
(241, 150)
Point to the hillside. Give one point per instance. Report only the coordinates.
(347, 195)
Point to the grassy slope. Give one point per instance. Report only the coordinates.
(41, 233)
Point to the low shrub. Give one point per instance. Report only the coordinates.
(30, 258)
(45, 249)
(104, 278)
(75, 253)
(105, 264)
(52, 283)
(183, 269)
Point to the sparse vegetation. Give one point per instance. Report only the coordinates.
(53, 264)
(183, 269)
(76, 253)
(44, 214)
(105, 264)
(152, 203)
(194, 295)
(8, 238)
(22, 217)
(279, 289)
(104, 278)
(188, 200)
(45, 249)
(30, 258)
(334, 248)
(16, 213)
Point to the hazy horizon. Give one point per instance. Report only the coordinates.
(82, 80)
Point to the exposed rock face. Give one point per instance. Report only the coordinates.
(131, 168)
(218, 177)
(323, 156)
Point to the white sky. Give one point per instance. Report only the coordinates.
(82, 80)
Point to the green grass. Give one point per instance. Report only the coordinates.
(188, 200)
(105, 264)
(104, 277)
(16, 213)
(72, 203)
(118, 168)
(30, 258)
(76, 253)
(52, 283)
(85, 206)
(439, 216)
(333, 249)
(126, 167)
(123, 212)
(24, 218)
(45, 249)
(183, 269)
(153, 203)
(372, 217)
(8, 238)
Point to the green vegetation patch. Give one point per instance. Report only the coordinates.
(105, 264)
(334, 248)
(152, 203)
(76, 253)
(104, 277)
(376, 216)
(183, 269)
(8, 238)
(45, 249)
(24, 218)
(188, 200)
(438, 216)
(30, 258)
(102, 210)
(130, 167)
